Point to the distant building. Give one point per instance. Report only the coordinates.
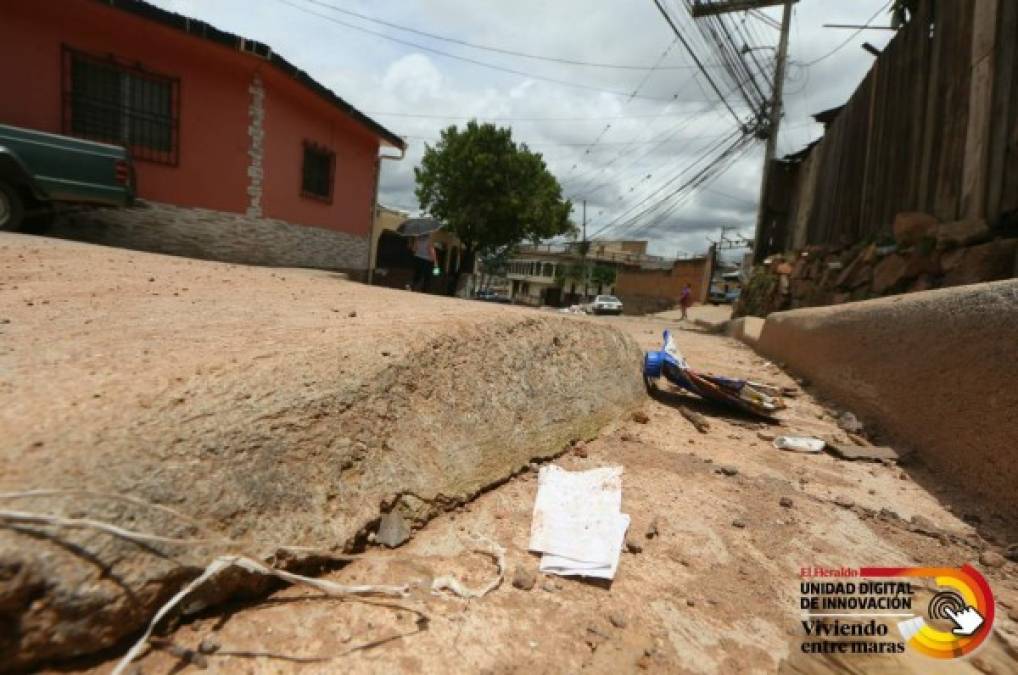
(552, 275)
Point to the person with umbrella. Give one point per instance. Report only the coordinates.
(420, 242)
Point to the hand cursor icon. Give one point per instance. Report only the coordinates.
(968, 621)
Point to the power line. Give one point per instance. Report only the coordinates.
(696, 59)
(432, 139)
(489, 48)
(850, 37)
(708, 175)
(616, 221)
(521, 119)
(492, 66)
(636, 90)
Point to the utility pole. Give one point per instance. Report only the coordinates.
(701, 9)
(586, 247)
(772, 130)
(584, 220)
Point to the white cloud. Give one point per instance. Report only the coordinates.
(632, 159)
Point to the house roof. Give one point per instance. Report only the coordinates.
(825, 117)
(208, 32)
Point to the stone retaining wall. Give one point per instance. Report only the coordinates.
(924, 255)
(215, 235)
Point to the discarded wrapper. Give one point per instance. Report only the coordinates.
(752, 397)
(799, 443)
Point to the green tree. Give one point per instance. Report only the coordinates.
(489, 191)
(602, 275)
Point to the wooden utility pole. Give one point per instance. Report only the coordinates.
(702, 8)
(772, 130)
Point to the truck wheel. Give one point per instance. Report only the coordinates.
(12, 208)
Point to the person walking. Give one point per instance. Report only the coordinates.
(424, 261)
(685, 300)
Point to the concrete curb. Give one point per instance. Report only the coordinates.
(935, 370)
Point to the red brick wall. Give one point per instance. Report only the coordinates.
(643, 287)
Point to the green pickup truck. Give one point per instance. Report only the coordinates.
(39, 170)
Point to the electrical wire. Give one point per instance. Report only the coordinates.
(489, 48)
(621, 220)
(483, 64)
(850, 37)
(696, 59)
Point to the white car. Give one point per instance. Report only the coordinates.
(606, 304)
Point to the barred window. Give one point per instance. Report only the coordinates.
(316, 177)
(108, 101)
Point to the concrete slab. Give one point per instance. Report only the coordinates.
(935, 371)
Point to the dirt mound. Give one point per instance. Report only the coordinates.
(276, 407)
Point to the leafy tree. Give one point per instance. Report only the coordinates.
(490, 192)
(602, 275)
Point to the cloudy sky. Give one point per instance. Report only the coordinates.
(620, 153)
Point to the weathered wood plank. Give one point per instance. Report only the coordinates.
(1004, 109)
(932, 118)
(977, 132)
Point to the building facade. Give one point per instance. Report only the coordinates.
(230, 141)
(553, 275)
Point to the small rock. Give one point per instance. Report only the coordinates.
(790, 392)
(523, 578)
(393, 530)
(844, 502)
(991, 559)
(385, 353)
(766, 435)
(209, 645)
(1012, 552)
(618, 619)
(728, 470)
(849, 423)
(625, 438)
(690, 602)
(739, 523)
(352, 315)
(534, 466)
(633, 546)
(580, 450)
(786, 502)
(549, 586)
(640, 417)
(653, 529)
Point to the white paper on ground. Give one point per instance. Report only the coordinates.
(799, 443)
(563, 566)
(577, 523)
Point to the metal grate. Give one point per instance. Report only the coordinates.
(108, 101)
(316, 177)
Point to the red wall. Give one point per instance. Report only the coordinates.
(214, 117)
(294, 115)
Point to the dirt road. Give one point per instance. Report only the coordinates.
(716, 591)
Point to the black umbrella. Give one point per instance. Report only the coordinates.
(415, 227)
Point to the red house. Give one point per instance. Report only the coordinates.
(240, 155)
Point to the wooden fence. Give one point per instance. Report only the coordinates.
(933, 127)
